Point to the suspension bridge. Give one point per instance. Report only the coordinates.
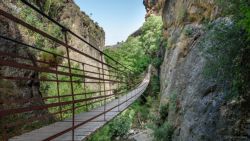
(66, 98)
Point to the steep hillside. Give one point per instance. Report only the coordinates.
(201, 76)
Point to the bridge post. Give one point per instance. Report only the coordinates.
(84, 87)
(58, 92)
(118, 94)
(104, 89)
(71, 85)
(110, 84)
(100, 83)
(127, 83)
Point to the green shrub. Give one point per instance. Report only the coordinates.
(164, 111)
(155, 84)
(52, 59)
(156, 62)
(142, 109)
(240, 9)
(120, 126)
(164, 132)
(103, 134)
(227, 59)
(117, 127)
(244, 21)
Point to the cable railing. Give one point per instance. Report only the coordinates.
(38, 92)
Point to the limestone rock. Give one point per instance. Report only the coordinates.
(202, 112)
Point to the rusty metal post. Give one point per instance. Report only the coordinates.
(84, 87)
(71, 85)
(117, 77)
(104, 89)
(127, 83)
(110, 86)
(100, 85)
(58, 92)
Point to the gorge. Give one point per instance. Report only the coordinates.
(200, 56)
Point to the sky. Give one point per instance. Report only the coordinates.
(119, 18)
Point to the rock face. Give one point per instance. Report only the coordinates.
(82, 25)
(153, 7)
(200, 110)
(12, 93)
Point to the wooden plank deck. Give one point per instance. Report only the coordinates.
(83, 131)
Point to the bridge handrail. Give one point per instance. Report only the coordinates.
(109, 82)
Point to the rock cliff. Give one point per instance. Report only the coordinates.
(153, 7)
(198, 106)
(81, 24)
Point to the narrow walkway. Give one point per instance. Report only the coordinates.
(88, 122)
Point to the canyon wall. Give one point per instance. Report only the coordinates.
(199, 107)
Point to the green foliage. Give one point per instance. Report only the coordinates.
(27, 14)
(138, 113)
(130, 54)
(117, 127)
(120, 126)
(164, 111)
(156, 62)
(244, 22)
(240, 9)
(151, 37)
(50, 89)
(225, 58)
(103, 134)
(52, 59)
(163, 132)
(138, 52)
(51, 7)
(32, 18)
(142, 109)
(153, 89)
(155, 84)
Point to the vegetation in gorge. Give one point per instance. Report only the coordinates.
(140, 51)
(139, 115)
(50, 7)
(118, 127)
(163, 132)
(228, 62)
(137, 53)
(161, 127)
